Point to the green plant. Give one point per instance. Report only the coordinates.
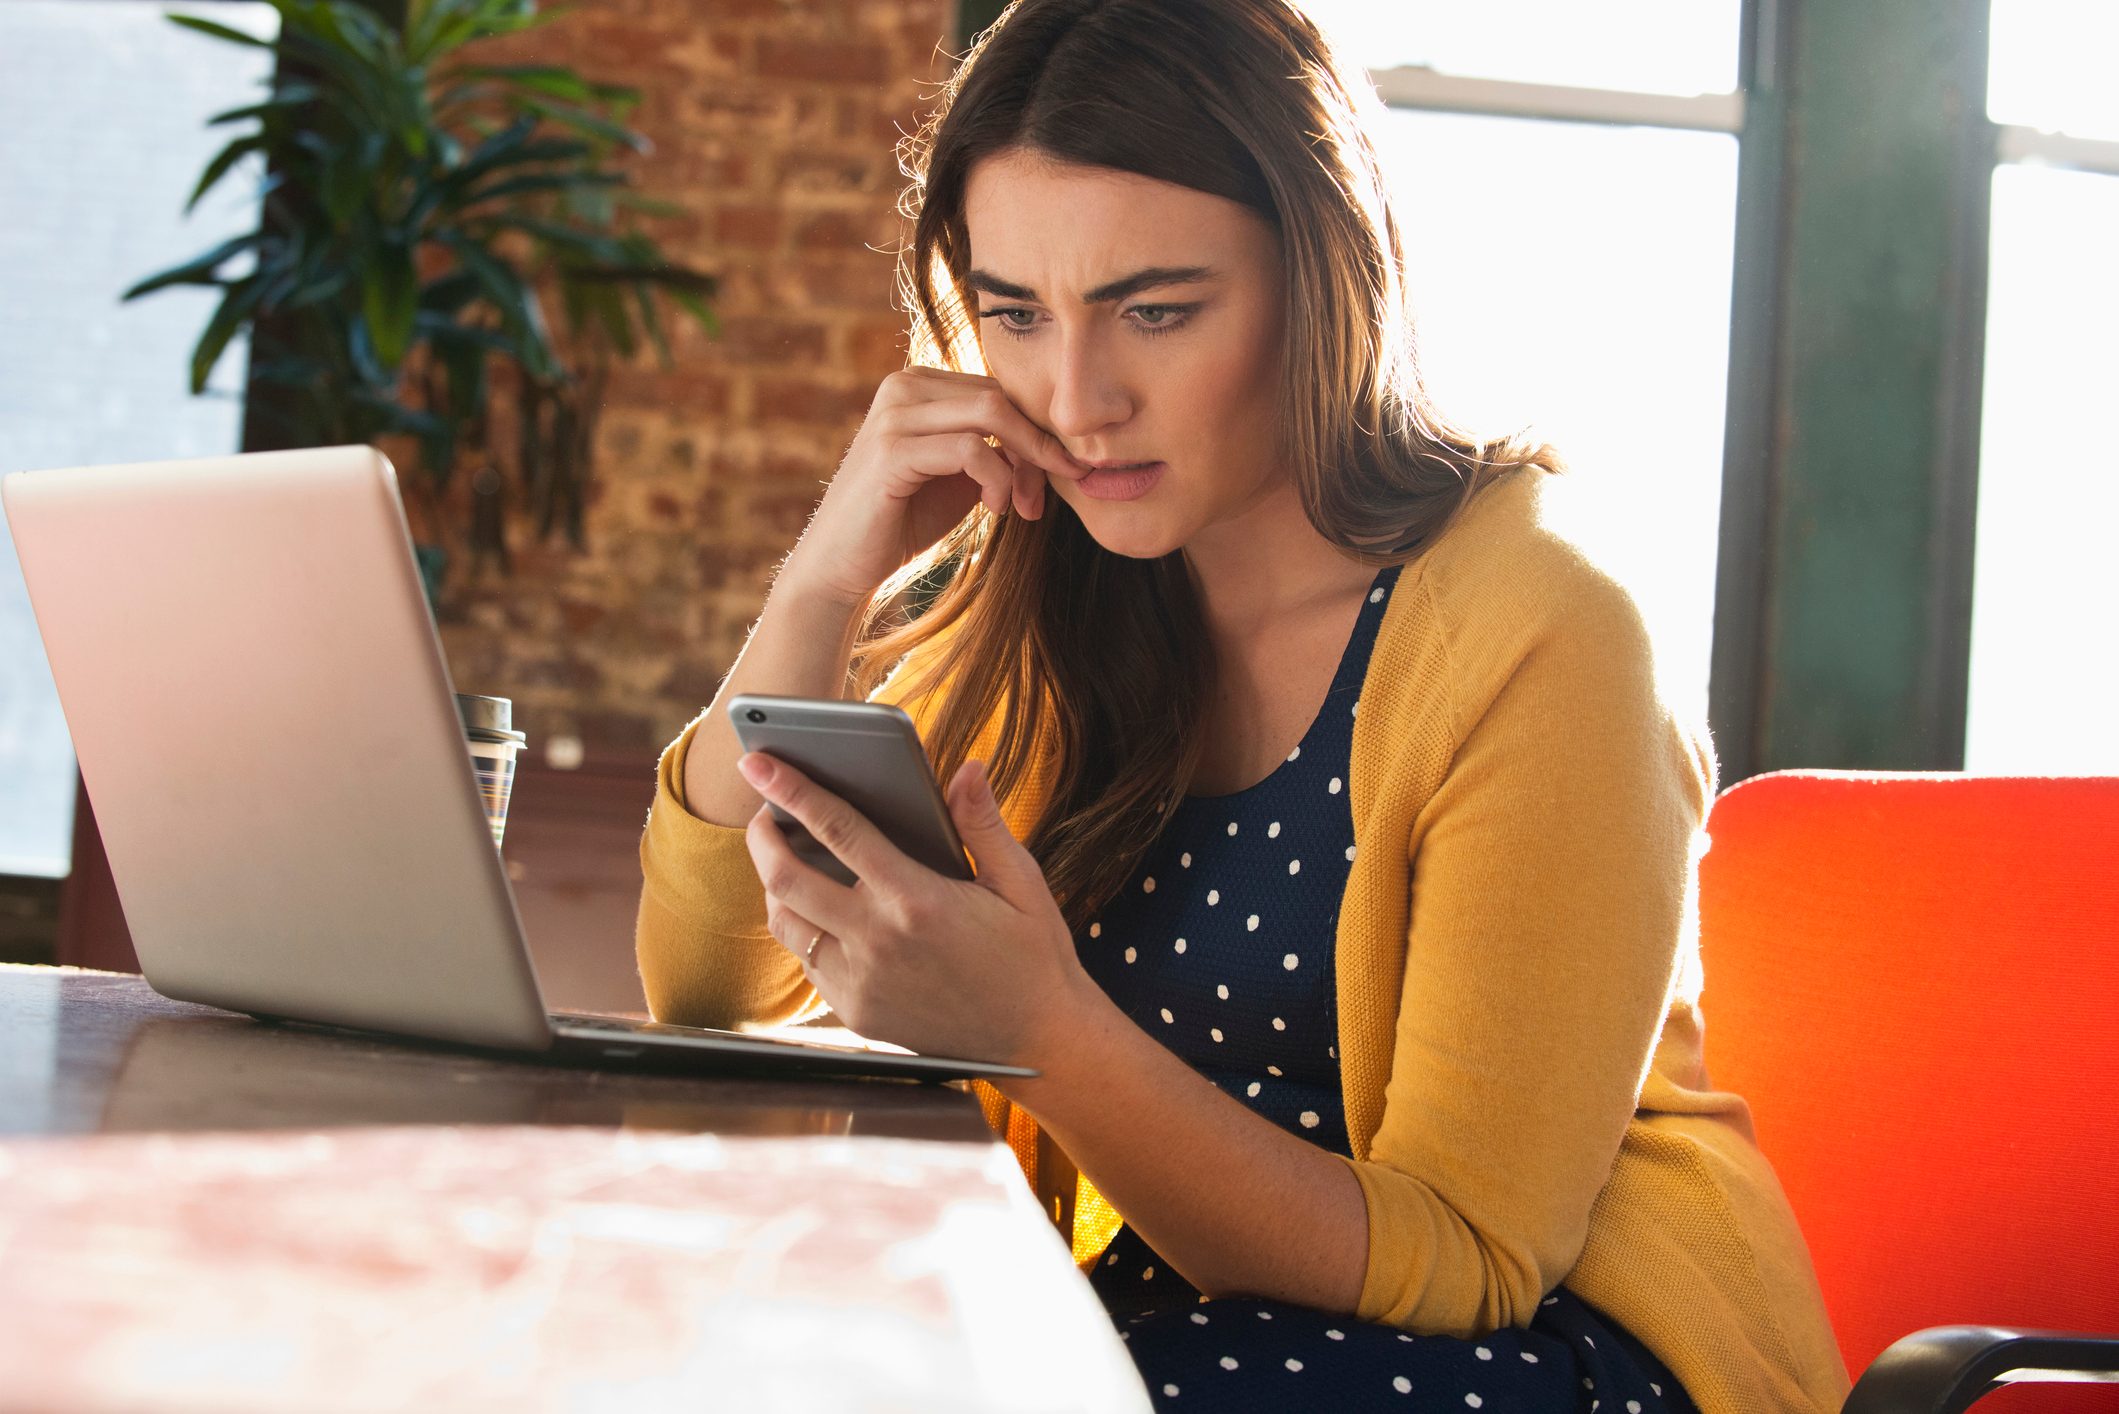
(415, 203)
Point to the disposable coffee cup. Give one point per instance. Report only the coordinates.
(489, 733)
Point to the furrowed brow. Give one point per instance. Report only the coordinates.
(1152, 278)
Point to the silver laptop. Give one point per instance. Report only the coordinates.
(268, 733)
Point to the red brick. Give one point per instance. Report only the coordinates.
(764, 339)
(801, 401)
(878, 345)
(822, 60)
(775, 124)
(836, 230)
(750, 227)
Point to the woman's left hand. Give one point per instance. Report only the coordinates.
(982, 968)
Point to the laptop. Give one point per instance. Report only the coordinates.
(267, 730)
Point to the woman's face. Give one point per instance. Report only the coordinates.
(1184, 372)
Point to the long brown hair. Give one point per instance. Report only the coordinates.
(1098, 666)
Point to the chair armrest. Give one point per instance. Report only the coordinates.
(1943, 1369)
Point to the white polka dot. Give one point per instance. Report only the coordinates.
(1148, 1275)
(1401, 1383)
(1473, 1400)
(1228, 1362)
(1376, 595)
(1295, 1365)
(1232, 827)
(1355, 710)
(1633, 1406)
(1252, 1090)
(1290, 962)
(1185, 860)
(1654, 1386)
(1550, 1301)
(1350, 854)
(1096, 930)
(1586, 1383)
(1213, 897)
(1147, 885)
(1332, 1051)
(1279, 1025)
(1273, 830)
(1222, 990)
(1294, 866)
(1528, 1358)
(1335, 1335)
(1333, 788)
(1112, 1260)
(1199, 1318)
(1593, 1403)
(1265, 1315)
(1406, 1338)
(1130, 954)
(1179, 945)
(1215, 1032)
(1125, 1335)
(1251, 924)
(1483, 1353)
(1169, 1391)
(1272, 1070)
(1295, 753)
(1166, 1015)
(1589, 1341)
(1309, 1119)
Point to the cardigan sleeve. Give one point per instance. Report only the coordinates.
(700, 941)
(1551, 901)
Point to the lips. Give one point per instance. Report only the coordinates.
(1118, 483)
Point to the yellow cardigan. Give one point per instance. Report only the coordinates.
(1518, 978)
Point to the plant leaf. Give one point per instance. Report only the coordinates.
(222, 161)
(235, 307)
(219, 31)
(196, 271)
(389, 301)
(288, 95)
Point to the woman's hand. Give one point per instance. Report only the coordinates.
(983, 969)
(915, 469)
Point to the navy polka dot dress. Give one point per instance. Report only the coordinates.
(1220, 947)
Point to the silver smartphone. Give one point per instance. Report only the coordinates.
(869, 755)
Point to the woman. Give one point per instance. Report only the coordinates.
(1349, 925)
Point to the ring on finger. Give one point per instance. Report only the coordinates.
(809, 953)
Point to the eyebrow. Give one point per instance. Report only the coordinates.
(1153, 277)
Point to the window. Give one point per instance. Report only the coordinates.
(2045, 586)
(1567, 192)
(105, 107)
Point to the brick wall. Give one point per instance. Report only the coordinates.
(774, 124)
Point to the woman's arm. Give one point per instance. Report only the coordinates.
(1235, 1203)
(700, 940)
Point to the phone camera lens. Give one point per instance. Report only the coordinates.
(755, 715)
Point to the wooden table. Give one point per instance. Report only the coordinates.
(200, 1211)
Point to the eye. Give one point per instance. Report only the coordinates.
(1150, 319)
(1172, 316)
(999, 316)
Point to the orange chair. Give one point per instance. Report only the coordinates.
(1913, 978)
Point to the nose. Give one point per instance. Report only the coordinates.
(1089, 393)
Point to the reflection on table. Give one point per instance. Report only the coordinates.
(200, 1210)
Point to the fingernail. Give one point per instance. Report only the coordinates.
(755, 768)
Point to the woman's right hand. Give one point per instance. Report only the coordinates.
(915, 469)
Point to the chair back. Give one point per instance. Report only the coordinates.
(1913, 978)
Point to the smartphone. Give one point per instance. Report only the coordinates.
(869, 755)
